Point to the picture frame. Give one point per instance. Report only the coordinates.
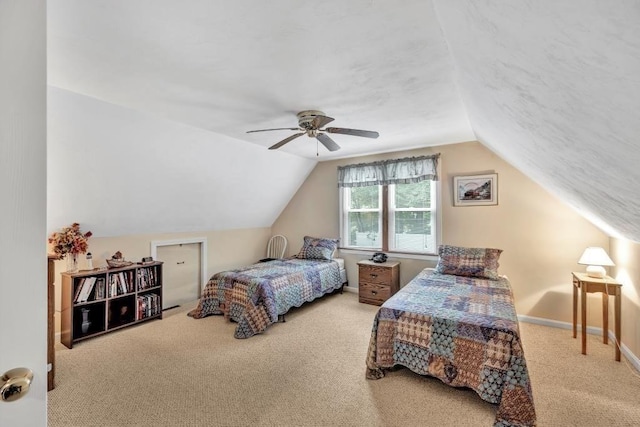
(475, 190)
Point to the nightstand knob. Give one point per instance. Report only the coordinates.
(374, 293)
(374, 275)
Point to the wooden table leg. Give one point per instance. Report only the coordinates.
(575, 308)
(618, 306)
(583, 315)
(605, 318)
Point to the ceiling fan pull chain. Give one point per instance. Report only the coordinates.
(317, 154)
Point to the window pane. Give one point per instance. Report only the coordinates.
(365, 197)
(416, 195)
(364, 229)
(413, 231)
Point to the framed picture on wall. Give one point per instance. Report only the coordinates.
(475, 190)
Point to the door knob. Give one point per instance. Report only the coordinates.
(15, 383)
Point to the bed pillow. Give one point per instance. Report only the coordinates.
(471, 262)
(317, 248)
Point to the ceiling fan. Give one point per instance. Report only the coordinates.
(311, 122)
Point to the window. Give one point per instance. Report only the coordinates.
(412, 217)
(363, 217)
(409, 217)
(390, 205)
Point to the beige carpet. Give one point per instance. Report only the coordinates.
(310, 371)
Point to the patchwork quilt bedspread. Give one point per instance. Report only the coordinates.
(461, 330)
(254, 296)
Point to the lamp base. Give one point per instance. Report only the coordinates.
(596, 271)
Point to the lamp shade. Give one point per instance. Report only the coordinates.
(595, 256)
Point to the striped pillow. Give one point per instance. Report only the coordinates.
(317, 248)
(471, 262)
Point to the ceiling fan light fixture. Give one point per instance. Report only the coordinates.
(312, 122)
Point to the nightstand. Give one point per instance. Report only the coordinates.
(607, 286)
(377, 281)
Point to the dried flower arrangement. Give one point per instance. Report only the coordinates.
(70, 240)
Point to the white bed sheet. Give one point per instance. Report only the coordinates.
(343, 271)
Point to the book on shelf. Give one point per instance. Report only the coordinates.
(152, 273)
(142, 280)
(123, 282)
(111, 286)
(86, 286)
(146, 278)
(90, 288)
(100, 288)
(118, 284)
(148, 305)
(114, 285)
(79, 289)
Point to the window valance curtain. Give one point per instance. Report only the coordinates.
(396, 171)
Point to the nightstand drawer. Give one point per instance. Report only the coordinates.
(374, 292)
(373, 274)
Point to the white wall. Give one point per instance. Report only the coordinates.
(626, 256)
(118, 172)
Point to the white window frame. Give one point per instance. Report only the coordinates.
(436, 222)
(391, 218)
(345, 202)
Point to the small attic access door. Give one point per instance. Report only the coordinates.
(182, 273)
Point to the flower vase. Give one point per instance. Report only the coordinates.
(85, 320)
(72, 263)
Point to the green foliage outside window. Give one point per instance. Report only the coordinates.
(417, 195)
(365, 197)
(413, 222)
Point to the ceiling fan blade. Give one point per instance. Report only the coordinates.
(284, 141)
(354, 132)
(327, 142)
(266, 130)
(321, 121)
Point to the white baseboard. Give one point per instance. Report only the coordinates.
(632, 358)
(351, 289)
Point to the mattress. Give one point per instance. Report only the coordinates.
(343, 271)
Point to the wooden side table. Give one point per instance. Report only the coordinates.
(377, 282)
(607, 286)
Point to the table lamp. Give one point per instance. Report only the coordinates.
(595, 258)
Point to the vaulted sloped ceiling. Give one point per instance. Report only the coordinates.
(552, 87)
(118, 172)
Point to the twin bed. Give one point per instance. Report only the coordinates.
(259, 295)
(457, 323)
